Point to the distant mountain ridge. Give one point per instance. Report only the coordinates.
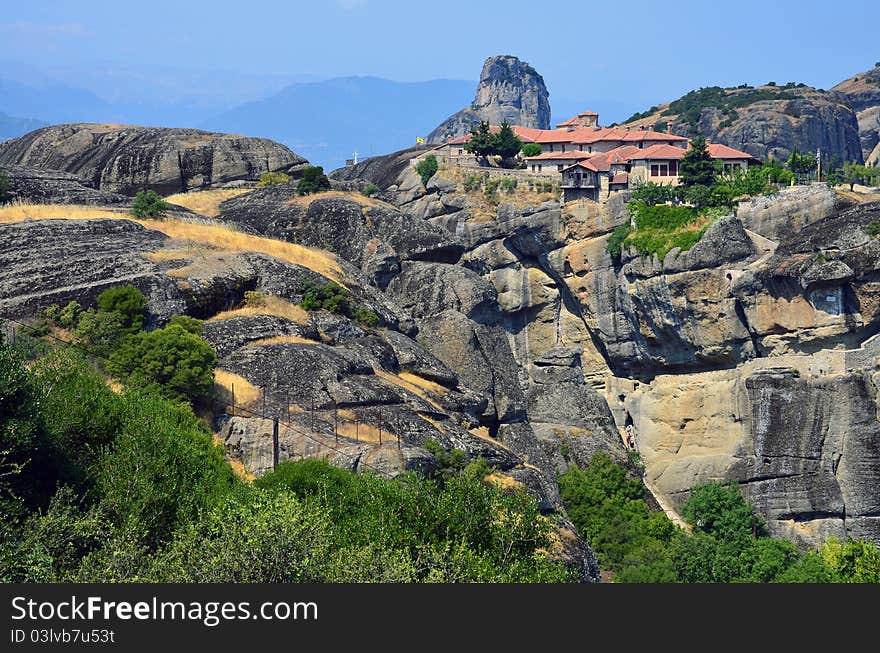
(327, 121)
(13, 127)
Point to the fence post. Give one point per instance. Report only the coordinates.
(275, 451)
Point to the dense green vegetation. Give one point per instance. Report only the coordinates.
(313, 180)
(504, 143)
(531, 149)
(272, 179)
(5, 186)
(728, 541)
(148, 204)
(98, 486)
(174, 362)
(690, 106)
(427, 168)
(370, 190)
(336, 299)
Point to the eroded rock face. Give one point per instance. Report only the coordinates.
(509, 91)
(125, 159)
(41, 186)
(803, 444)
(862, 93)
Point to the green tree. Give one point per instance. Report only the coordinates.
(148, 204)
(697, 167)
(482, 142)
(313, 180)
(854, 173)
(101, 330)
(5, 187)
(273, 179)
(852, 561)
(427, 168)
(172, 361)
(719, 509)
(801, 164)
(531, 149)
(129, 302)
(506, 144)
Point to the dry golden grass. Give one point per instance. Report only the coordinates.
(224, 237)
(18, 212)
(437, 425)
(169, 255)
(237, 467)
(423, 383)
(406, 385)
(502, 481)
(270, 305)
(246, 394)
(206, 202)
(306, 200)
(216, 235)
(282, 340)
(361, 432)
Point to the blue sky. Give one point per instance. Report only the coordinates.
(645, 52)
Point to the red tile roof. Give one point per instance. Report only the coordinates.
(525, 134)
(665, 152)
(721, 151)
(543, 156)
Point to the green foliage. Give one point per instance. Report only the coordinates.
(690, 107)
(272, 179)
(255, 298)
(661, 126)
(608, 508)
(651, 193)
(490, 190)
(474, 182)
(506, 144)
(370, 190)
(336, 299)
(187, 323)
(173, 362)
(509, 184)
(101, 331)
(313, 180)
(129, 302)
(148, 204)
(720, 510)
(697, 168)
(615, 243)
(531, 149)
(855, 173)
(427, 168)
(853, 561)
(481, 143)
(799, 163)
(873, 228)
(643, 114)
(5, 187)
(461, 530)
(68, 316)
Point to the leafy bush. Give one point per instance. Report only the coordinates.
(531, 149)
(329, 297)
(5, 187)
(313, 181)
(873, 228)
(509, 184)
(255, 298)
(129, 302)
(273, 179)
(101, 330)
(364, 316)
(370, 190)
(172, 362)
(188, 324)
(615, 243)
(651, 193)
(148, 204)
(427, 168)
(474, 182)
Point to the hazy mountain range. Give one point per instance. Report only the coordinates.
(324, 120)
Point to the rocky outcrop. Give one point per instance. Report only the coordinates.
(40, 186)
(862, 93)
(509, 91)
(126, 159)
(772, 124)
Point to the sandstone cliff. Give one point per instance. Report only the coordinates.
(862, 93)
(767, 121)
(509, 91)
(124, 159)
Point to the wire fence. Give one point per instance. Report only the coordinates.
(19, 334)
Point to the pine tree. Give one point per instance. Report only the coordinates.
(697, 167)
(482, 142)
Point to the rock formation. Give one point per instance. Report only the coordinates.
(42, 186)
(767, 121)
(862, 93)
(124, 159)
(509, 91)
